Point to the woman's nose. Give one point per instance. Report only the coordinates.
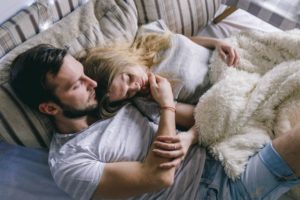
(135, 86)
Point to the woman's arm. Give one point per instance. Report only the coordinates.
(207, 42)
(226, 51)
(125, 179)
(184, 115)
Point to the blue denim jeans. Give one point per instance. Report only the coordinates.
(266, 177)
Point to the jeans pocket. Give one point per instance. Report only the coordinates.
(208, 187)
(208, 191)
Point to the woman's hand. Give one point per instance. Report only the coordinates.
(161, 90)
(227, 53)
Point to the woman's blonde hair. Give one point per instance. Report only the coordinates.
(103, 63)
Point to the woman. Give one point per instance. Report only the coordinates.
(122, 70)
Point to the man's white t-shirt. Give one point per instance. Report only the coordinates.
(77, 160)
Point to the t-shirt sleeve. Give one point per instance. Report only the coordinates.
(77, 173)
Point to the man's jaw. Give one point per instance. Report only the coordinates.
(76, 113)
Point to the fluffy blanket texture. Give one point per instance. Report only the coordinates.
(252, 103)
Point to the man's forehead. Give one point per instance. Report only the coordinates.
(68, 74)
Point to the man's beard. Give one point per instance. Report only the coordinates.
(73, 113)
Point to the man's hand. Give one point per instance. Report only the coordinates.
(170, 147)
(174, 147)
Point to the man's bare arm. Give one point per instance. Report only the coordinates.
(185, 115)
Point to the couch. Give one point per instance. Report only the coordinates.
(25, 135)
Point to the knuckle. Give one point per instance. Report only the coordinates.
(169, 154)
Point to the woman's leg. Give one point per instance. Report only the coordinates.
(267, 175)
(288, 147)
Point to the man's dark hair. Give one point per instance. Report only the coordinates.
(28, 73)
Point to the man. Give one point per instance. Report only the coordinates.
(116, 158)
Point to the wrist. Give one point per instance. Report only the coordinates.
(168, 107)
(193, 135)
(186, 138)
(168, 104)
(216, 43)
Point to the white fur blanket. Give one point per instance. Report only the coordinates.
(244, 109)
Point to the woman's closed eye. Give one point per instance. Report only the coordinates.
(128, 78)
(129, 82)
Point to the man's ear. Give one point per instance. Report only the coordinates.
(48, 108)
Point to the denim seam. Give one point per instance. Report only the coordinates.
(274, 188)
(246, 190)
(277, 171)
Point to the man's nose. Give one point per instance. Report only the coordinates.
(90, 82)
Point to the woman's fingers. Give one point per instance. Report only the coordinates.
(161, 90)
(158, 77)
(155, 79)
(168, 165)
(228, 54)
(222, 55)
(236, 58)
(233, 57)
(152, 80)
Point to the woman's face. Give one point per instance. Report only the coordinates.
(127, 84)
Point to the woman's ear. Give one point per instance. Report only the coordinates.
(48, 108)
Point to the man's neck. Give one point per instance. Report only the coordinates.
(67, 125)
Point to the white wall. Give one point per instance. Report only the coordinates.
(11, 7)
